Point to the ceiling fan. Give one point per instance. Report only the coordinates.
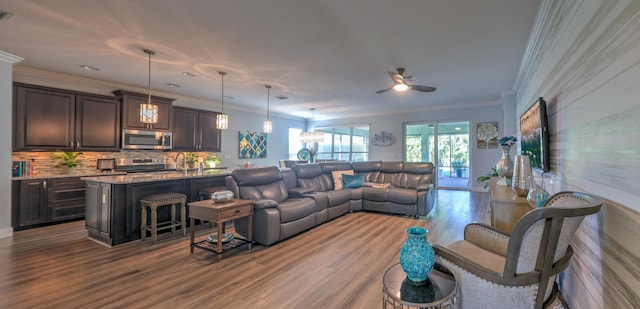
(400, 83)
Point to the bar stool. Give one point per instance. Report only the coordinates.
(154, 201)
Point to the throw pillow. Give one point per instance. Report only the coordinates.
(337, 178)
(354, 181)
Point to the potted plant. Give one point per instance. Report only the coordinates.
(212, 160)
(485, 178)
(192, 158)
(67, 161)
(458, 166)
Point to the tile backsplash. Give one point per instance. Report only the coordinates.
(44, 161)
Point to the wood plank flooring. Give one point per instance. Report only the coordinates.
(338, 264)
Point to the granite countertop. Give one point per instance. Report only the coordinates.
(45, 175)
(156, 176)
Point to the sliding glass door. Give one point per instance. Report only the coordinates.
(445, 144)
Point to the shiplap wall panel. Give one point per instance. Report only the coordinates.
(584, 59)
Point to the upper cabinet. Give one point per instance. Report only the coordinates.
(131, 110)
(55, 119)
(195, 130)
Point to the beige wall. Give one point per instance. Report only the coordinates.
(6, 95)
(584, 59)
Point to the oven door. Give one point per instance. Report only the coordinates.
(143, 139)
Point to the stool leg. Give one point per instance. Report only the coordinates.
(143, 222)
(183, 218)
(154, 224)
(173, 218)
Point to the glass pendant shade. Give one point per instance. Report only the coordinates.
(312, 136)
(222, 121)
(267, 126)
(149, 111)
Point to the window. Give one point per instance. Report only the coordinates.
(349, 144)
(294, 143)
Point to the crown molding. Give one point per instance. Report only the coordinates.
(9, 58)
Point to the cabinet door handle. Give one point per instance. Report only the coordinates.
(44, 184)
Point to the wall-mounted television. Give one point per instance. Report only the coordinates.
(534, 142)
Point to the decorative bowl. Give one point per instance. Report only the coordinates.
(221, 196)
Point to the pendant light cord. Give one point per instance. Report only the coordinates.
(222, 74)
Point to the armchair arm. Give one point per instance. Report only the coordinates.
(482, 272)
(264, 203)
(486, 237)
(299, 191)
(424, 187)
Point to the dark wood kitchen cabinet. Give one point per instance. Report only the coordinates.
(195, 130)
(38, 201)
(29, 202)
(65, 198)
(131, 110)
(55, 119)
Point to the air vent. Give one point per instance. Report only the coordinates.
(5, 16)
(282, 97)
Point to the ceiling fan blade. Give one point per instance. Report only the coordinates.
(384, 90)
(423, 88)
(397, 78)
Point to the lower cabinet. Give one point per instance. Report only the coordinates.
(38, 201)
(98, 211)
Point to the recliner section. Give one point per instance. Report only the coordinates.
(290, 201)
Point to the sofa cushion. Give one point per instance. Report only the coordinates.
(337, 178)
(375, 194)
(354, 181)
(339, 197)
(295, 209)
(403, 196)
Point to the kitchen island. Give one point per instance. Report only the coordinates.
(113, 202)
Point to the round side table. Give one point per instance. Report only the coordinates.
(439, 291)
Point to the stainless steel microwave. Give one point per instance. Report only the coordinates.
(146, 139)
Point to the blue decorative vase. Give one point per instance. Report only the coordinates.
(417, 256)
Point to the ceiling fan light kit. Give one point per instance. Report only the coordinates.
(400, 83)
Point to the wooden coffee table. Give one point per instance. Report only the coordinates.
(220, 213)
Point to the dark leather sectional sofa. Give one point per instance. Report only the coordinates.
(290, 201)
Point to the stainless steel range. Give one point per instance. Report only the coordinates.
(140, 165)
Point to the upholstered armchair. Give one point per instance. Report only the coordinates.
(496, 270)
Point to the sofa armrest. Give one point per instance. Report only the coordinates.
(299, 191)
(424, 187)
(487, 238)
(264, 203)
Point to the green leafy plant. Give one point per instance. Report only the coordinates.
(211, 159)
(191, 157)
(68, 158)
(485, 178)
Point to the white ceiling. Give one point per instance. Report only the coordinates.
(331, 55)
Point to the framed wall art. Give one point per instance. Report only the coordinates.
(252, 145)
(487, 134)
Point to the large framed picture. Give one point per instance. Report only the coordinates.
(252, 145)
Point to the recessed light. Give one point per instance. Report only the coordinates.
(5, 15)
(173, 85)
(282, 97)
(189, 74)
(90, 68)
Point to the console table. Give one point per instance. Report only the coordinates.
(439, 291)
(220, 213)
(506, 206)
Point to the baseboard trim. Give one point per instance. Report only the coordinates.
(6, 232)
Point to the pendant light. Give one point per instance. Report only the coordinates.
(267, 126)
(312, 136)
(222, 119)
(149, 111)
